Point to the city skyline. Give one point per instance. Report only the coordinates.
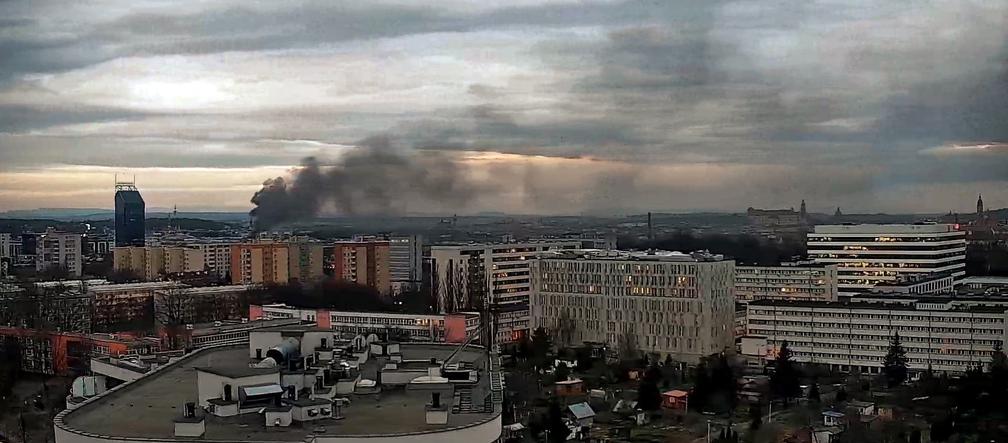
(552, 107)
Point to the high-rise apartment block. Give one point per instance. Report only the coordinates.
(666, 303)
(217, 258)
(260, 263)
(305, 261)
(59, 250)
(469, 277)
(363, 262)
(797, 282)
(6, 245)
(130, 215)
(155, 262)
(867, 254)
(405, 261)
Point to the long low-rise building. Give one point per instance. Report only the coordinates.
(126, 306)
(67, 353)
(666, 303)
(798, 282)
(946, 334)
(451, 328)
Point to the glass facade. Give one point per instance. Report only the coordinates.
(129, 217)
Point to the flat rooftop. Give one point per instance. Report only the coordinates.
(148, 406)
(896, 302)
(600, 254)
(906, 228)
(136, 286)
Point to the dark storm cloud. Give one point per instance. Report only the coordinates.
(486, 128)
(23, 118)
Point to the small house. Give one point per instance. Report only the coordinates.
(582, 414)
(833, 418)
(675, 399)
(569, 388)
(861, 407)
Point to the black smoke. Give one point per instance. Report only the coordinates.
(373, 179)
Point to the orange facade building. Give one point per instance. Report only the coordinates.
(259, 263)
(365, 263)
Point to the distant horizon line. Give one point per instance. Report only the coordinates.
(84, 211)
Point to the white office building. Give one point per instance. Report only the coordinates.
(948, 334)
(468, 276)
(666, 303)
(61, 250)
(867, 255)
(811, 282)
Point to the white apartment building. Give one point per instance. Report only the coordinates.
(946, 333)
(467, 276)
(59, 250)
(870, 254)
(668, 303)
(6, 245)
(453, 328)
(216, 257)
(405, 261)
(814, 282)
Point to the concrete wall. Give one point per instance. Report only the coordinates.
(488, 431)
(212, 385)
(113, 371)
(264, 340)
(400, 376)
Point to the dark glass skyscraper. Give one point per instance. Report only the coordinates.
(129, 215)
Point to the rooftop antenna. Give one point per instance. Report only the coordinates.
(125, 185)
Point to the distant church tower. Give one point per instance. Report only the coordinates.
(838, 214)
(980, 211)
(803, 214)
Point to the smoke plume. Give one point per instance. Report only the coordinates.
(372, 179)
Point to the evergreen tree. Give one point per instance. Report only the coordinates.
(524, 349)
(648, 395)
(561, 372)
(558, 430)
(703, 386)
(784, 381)
(999, 369)
(895, 364)
(725, 381)
(541, 346)
(813, 393)
(999, 361)
(755, 416)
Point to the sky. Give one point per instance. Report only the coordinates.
(547, 107)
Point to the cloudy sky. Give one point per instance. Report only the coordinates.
(561, 106)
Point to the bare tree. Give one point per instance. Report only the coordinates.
(563, 330)
(627, 346)
(173, 308)
(453, 290)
